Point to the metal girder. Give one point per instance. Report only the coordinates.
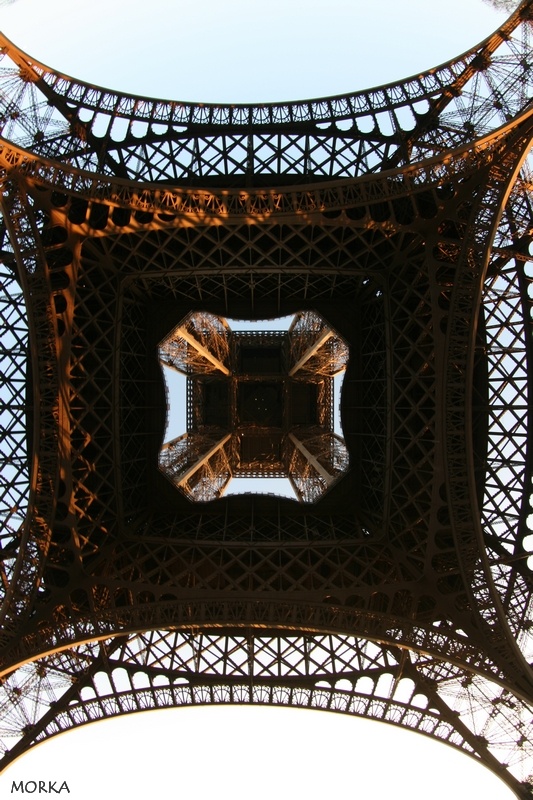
(203, 351)
(312, 350)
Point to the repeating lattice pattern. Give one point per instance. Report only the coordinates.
(163, 669)
(14, 459)
(207, 333)
(404, 593)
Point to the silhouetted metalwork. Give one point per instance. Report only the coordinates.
(400, 215)
(259, 405)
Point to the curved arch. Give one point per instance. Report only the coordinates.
(506, 504)
(176, 202)
(259, 139)
(323, 109)
(467, 292)
(163, 669)
(427, 639)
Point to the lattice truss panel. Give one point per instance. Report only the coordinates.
(500, 454)
(169, 669)
(208, 461)
(198, 345)
(156, 140)
(14, 459)
(508, 499)
(315, 348)
(405, 594)
(329, 450)
(222, 260)
(19, 483)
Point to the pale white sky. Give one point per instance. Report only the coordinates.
(241, 51)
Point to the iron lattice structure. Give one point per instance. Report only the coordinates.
(403, 216)
(259, 405)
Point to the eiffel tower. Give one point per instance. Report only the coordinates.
(394, 226)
